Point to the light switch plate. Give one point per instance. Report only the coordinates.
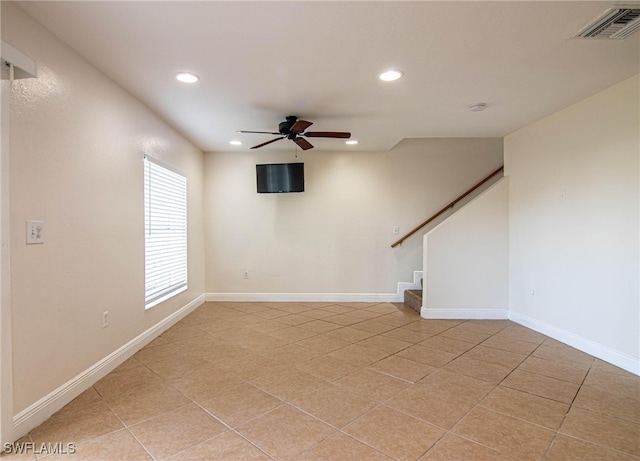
(35, 232)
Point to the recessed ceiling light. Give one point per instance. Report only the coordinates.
(187, 77)
(390, 75)
(351, 142)
(235, 143)
(478, 107)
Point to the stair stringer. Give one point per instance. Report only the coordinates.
(404, 286)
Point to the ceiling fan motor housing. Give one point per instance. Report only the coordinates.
(285, 127)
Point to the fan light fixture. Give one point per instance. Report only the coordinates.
(187, 77)
(235, 143)
(390, 75)
(351, 142)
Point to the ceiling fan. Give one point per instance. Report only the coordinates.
(293, 129)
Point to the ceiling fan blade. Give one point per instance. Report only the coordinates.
(327, 134)
(259, 132)
(303, 143)
(268, 142)
(300, 126)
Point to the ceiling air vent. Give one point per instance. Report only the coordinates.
(617, 23)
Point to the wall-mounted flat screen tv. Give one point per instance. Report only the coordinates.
(277, 178)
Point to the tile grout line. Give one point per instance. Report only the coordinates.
(564, 418)
(450, 431)
(379, 404)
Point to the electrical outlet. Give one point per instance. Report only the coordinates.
(533, 292)
(35, 232)
(105, 319)
(246, 274)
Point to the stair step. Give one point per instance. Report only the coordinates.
(413, 299)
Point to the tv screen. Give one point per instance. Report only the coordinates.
(280, 177)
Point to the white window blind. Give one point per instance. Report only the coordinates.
(165, 230)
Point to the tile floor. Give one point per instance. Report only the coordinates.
(363, 381)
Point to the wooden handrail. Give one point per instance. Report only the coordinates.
(450, 205)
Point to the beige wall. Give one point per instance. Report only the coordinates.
(77, 141)
(335, 237)
(574, 223)
(466, 260)
(76, 146)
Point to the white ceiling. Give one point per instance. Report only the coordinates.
(260, 61)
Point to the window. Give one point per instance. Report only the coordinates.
(165, 233)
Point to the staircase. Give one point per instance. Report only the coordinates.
(413, 298)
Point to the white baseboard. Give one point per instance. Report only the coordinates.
(40, 411)
(466, 314)
(617, 358)
(304, 297)
(396, 297)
